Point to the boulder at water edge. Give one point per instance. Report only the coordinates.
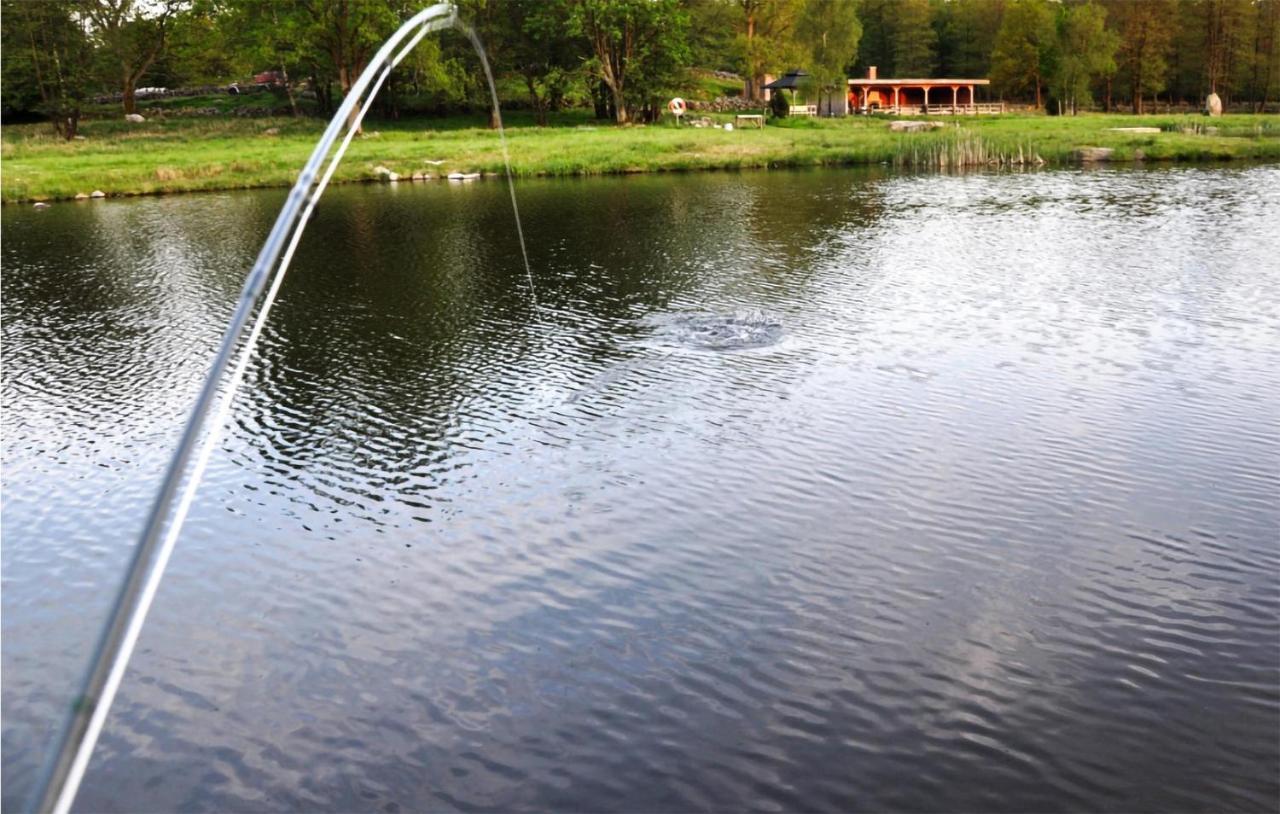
(1091, 154)
(80, 196)
(1213, 105)
(97, 193)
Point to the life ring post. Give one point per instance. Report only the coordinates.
(677, 108)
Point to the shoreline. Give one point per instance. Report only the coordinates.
(172, 156)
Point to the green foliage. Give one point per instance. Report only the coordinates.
(1025, 48)
(913, 40)
(1146, 34)
(831, 30)
(967, 36)
(46, 59)
(1086, 51)
(130, 36)
(765, 41)
(638, 49)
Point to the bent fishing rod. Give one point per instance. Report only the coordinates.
(146, 568)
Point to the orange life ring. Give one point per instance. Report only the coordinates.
(676, 106)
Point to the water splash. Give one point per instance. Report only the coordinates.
(164, 524)
(713, 331)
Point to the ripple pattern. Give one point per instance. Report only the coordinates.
(980, 513)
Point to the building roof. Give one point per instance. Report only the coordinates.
(947, 82)
(790, 81)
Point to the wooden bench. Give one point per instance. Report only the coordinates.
(755, 118)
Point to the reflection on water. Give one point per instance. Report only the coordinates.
(978, 513)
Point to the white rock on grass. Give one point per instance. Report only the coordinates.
(136, 118)
(911, 126)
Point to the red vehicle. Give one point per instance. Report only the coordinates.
(269, 79)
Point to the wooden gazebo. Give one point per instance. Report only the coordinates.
(790, 81)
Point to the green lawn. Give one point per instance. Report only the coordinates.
(179, 154)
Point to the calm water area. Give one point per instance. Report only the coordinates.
(840, 490)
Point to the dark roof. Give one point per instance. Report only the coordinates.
(790, 81)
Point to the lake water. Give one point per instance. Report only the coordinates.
(837, 490)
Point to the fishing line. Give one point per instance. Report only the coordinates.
(160, 534)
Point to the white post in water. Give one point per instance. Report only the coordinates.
(146, 569)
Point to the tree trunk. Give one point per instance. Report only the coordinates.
(288, 91)
(600, 100)
(344, 79)
(619, 105)
(71, 124)
(538, 103)
(129, 95)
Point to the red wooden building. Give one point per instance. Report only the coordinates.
(915, 96)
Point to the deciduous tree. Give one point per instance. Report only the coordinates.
(831, 30)
(131, 36)
(46, 60)
(636, 47)
(766, 40)
(1146, 30)
(1086, 50)
(1024, 49)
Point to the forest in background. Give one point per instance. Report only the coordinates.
(624, 58)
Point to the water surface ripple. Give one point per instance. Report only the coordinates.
(802, 491)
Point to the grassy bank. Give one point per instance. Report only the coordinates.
(181, 154)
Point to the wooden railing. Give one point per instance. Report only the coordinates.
(964, 110)
(980, 108)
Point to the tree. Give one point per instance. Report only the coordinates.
(637, 46)
(968, 36)
(46, 60)
(1225, 42)
(346, 32)
(875, 47)
(1024, 49)
(1264, 62)
(831, 30)
(912, 38)
(542, 52)
(765, 41)
(131, 36)
(1145, 28)
(1086, 50)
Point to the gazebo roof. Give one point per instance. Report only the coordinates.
(790, 81)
